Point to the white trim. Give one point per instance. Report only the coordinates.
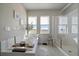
(62, 51)
(65, 7)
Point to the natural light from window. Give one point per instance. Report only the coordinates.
(32, 24)
(44, 24)
(63, 22)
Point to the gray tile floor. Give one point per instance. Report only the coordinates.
(44, 50)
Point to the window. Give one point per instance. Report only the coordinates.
(63, 28)
(44, 24)
(74, 29)
(32, 24)
(63, 20)
(74, 25)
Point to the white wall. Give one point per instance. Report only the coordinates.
(43, 12)
(6, 19)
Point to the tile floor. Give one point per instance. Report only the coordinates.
(44, 50)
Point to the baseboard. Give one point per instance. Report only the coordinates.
(62, 51)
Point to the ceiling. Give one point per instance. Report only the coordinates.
(43, 6)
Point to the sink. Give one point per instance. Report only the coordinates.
(19, 50)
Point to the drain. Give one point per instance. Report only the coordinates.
(70, 51)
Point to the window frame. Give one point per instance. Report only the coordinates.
(48, 31)
(63, 24)
(74, 24)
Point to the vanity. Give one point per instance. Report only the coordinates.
(22, 49)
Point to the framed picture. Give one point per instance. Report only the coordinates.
(16, 15)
